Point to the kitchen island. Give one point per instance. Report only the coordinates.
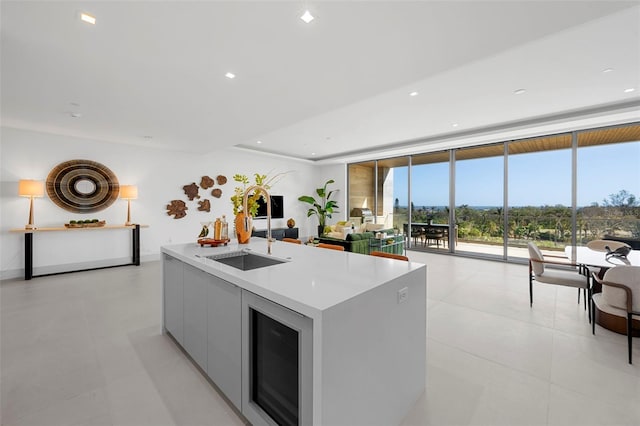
(359, 324)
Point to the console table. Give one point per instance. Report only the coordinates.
(277, 233)
(28, 245)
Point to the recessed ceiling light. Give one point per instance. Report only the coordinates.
(413, 94)
(258, 142)
(307, 17)
(230, 75)
(629, 90)
(313, 153)
(454, 125)
(519, 91)
(88, 18)
(607, 70)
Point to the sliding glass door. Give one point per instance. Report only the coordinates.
(392, 193)
(608, 170)
(430, 200)
(539, 194)
(479, 200)
(362, 190)
(554, 190)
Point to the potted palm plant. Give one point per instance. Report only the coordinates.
(323, 208)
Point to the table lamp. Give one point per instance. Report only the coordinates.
(30, 188)
(128, 192)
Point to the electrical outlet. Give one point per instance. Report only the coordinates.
(403, 295)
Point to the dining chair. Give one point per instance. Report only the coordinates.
(620, 296)
(291, 240)
(417, 233)
(603, 246)
(565, 277)
(434, 234)
(331, 246)
(389, 255)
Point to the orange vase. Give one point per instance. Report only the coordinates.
(242, 235)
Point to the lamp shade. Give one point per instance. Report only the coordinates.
(128, 192)
(30, 188)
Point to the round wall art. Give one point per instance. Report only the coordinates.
(82, 186)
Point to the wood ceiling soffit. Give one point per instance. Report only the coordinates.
(606, 136)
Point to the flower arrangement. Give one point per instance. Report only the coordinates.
(252, 202)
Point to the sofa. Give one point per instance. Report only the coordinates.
(365, 242)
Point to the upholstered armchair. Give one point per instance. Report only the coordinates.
(566, 277)
(620, 296)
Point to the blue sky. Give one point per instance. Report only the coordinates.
(536, 179)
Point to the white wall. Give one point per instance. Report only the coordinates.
(159, 175)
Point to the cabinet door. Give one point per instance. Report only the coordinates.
(195, 314)
(172, 296)
(224, 316)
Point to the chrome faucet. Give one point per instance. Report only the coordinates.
(245, 200)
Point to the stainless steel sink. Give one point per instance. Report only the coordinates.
(244, 260)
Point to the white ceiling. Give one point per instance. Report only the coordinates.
(152, 73)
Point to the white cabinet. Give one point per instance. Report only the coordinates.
(204, 314)
(172, 296)
(195, 314)
(224, 317)
(361, 350)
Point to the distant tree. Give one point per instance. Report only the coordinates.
(397, 205)
(622, 198)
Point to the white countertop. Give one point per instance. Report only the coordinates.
(311, 281)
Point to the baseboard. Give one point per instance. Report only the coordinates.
(70, 267)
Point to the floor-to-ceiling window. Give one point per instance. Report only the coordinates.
(429, 197)
(382, 188)
(608, 189)
(554, 190)
(362, 189)
(539, 194)
(479, 199)
(392, 192)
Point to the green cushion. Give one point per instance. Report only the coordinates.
(354, 237)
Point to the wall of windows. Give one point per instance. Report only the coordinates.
(539, 194)
(479, 196)
(555, 190)
(608, 184)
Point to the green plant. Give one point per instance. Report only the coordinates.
(252, 202)
(323, 208)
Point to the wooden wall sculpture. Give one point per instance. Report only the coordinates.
(82, 186)
(178, 208)
(191, 191)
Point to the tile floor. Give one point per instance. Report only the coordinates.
(86, 349)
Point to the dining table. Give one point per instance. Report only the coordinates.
(599, 261)
(445, 227)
